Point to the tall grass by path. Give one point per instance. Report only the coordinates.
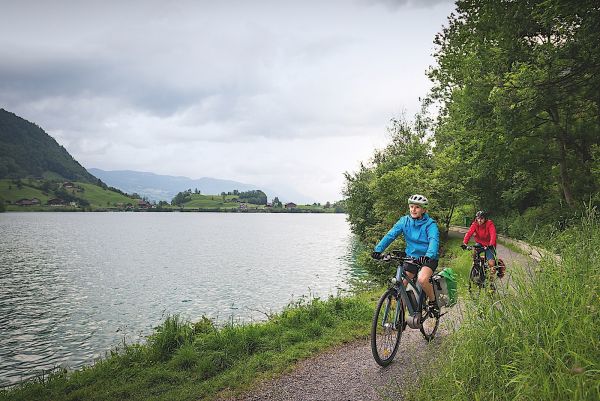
(539, 341)
(194, 361)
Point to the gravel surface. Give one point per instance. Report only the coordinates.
(349, 372)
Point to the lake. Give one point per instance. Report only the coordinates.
(75, 285)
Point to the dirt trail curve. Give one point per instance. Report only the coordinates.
(348, 372)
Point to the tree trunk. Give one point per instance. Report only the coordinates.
(449, 217)
(561, 137)
(564, 174)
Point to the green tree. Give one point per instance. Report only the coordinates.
(256, 197)
(518, 83)
(182, 197)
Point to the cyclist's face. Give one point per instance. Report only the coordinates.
(416, 211)
(480, 220)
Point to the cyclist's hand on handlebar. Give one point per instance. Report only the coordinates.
(376, 255)
(463, 246)
(423, 260)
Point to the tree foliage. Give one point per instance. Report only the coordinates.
(255, 197)
(519, 86)
(517, 90)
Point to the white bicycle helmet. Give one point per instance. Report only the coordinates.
(417, 199)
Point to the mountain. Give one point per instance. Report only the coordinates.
(165, 187)
(26, 150)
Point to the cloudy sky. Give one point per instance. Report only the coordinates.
(273, 93)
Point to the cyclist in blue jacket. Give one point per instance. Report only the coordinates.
(422, 243)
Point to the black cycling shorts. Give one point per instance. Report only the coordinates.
(414, 269)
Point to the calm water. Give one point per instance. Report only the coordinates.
(74, 285)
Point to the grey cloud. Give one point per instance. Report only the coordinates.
(176, 85)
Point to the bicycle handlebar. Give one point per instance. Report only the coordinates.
(475, 247)
(398, 256)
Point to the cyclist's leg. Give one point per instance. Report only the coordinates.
(490, 255)
(424, 275)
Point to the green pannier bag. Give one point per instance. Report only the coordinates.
(444, 285)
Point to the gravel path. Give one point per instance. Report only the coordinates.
(348, 372)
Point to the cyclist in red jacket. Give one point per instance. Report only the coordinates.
(485, 235)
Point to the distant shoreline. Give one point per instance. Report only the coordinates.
(189, 210)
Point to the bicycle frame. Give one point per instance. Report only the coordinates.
(413, 306)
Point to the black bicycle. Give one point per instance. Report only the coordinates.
(400, 306)
(478, 277)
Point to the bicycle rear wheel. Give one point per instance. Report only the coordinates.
(429, 320)
(386, 328)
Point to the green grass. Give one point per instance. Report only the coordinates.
(316, 208)
(538, 342)
(212, 201)
(194, 361)
(102, 198)
(9, 191)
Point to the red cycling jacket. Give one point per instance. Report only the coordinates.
(485, 234)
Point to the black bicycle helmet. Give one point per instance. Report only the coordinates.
(481, 213)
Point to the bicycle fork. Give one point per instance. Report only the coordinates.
(394, 324)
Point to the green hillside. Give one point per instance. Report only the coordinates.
(26, 150)
(82, 196)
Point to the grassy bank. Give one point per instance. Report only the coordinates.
(192, 361)
(538, 342)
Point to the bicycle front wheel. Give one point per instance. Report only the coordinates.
(386, 329)
(476, 281)
(430, 320)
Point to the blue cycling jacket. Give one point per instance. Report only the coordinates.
(422, 236)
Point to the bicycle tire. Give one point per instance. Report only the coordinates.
(429, 321)
(385, 336)
(476, 281)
